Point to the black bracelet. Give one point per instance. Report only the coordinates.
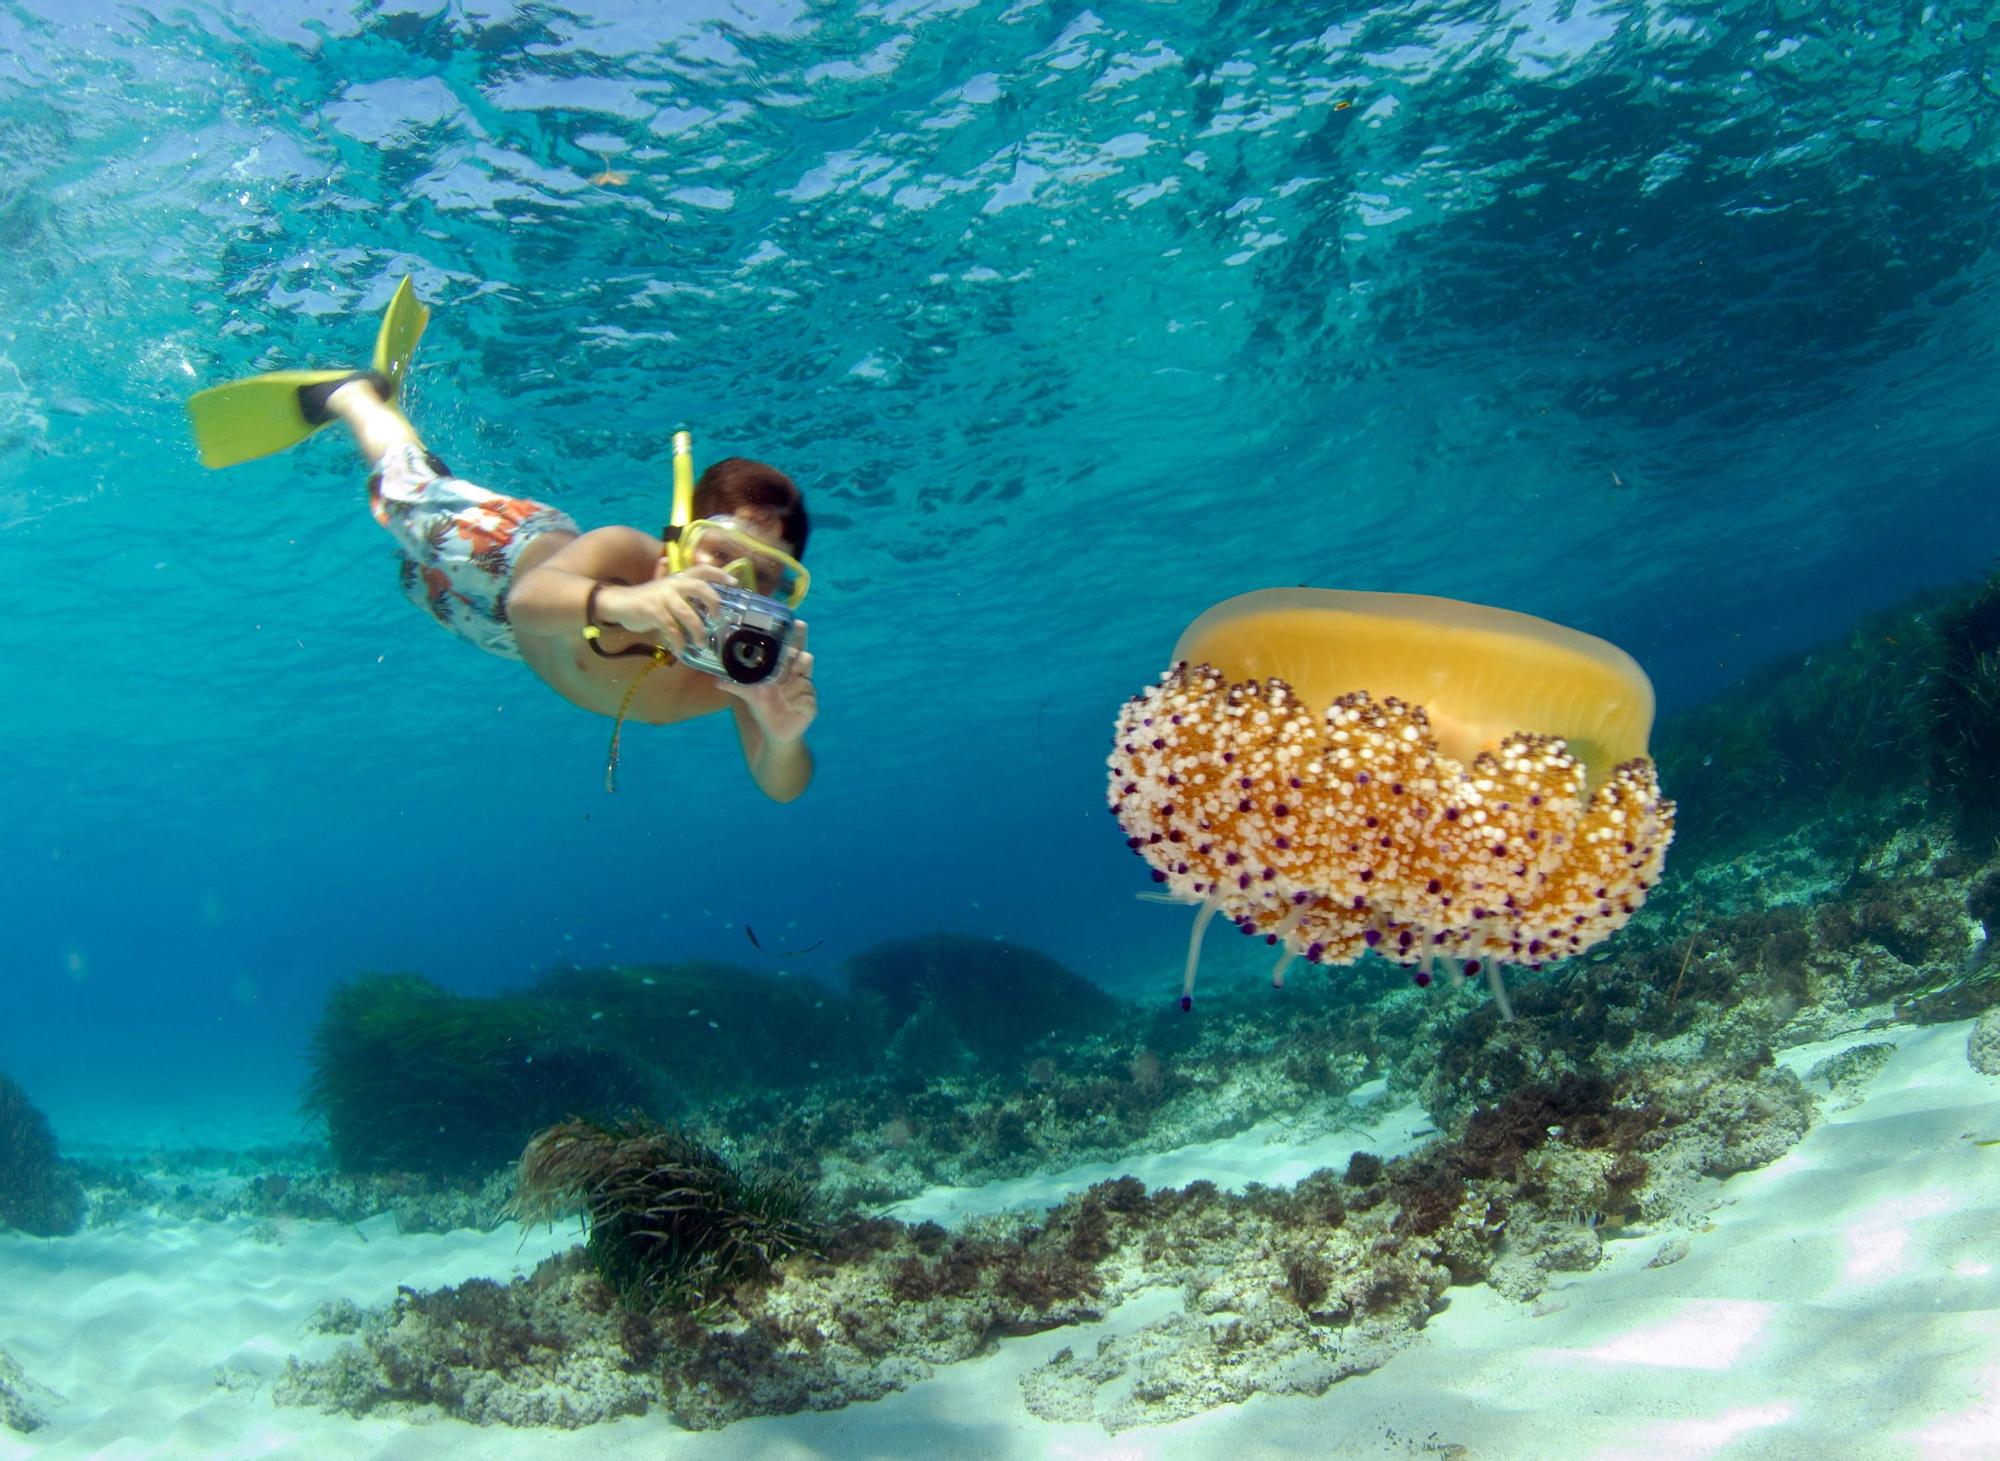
(594, 634)
(591, 631)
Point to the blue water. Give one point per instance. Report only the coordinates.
(1673, 325)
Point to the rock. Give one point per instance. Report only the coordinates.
(24, 1404)
(39, 1193)
(1848, 1073)
(954, 1002)
(1983, 1048)
(1671, 1252)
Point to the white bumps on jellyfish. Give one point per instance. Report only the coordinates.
(1618, 855)
(1497, 830)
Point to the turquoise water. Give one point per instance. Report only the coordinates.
(1675, 326)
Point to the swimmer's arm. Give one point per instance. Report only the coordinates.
(549, 599)
(781, 769)
(772, 718)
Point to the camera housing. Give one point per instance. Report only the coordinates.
(748, 638)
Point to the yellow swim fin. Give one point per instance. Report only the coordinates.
(252, 418)
(402, 326)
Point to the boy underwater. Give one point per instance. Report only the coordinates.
(614, 620)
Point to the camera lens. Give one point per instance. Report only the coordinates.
(750, 655)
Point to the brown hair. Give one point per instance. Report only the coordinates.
(737, 483)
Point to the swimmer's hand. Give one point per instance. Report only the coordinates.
(668, 609)
(783, 707)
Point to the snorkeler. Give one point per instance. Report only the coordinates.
(631, 626)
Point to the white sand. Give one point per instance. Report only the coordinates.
(1844, 1303)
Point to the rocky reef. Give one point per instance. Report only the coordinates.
(1281, 1290)
(39, 1193)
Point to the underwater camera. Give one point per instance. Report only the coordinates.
(748, 638)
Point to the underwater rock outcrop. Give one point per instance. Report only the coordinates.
(1963, 707)
(24, 1404)
(948, 1002)
(1904, 708)
(1982, 1046)
(412, 1078)
(712, 1029)
(38, 1193)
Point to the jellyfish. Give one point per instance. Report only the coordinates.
(1432, 781)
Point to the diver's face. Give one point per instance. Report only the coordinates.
(718, 552)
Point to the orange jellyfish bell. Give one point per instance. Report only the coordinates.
(1478, 672)
(1344, 772)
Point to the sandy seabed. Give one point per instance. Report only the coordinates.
(1842, 1302)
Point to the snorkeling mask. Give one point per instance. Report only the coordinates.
(730, 545)
(727, 542)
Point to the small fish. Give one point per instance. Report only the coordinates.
(751, 934)
(1341, 106)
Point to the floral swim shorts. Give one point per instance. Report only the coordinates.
(460, 543)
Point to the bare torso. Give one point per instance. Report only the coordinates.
(579, 674)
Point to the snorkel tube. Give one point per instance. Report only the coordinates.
(678, 544)
(676, 554)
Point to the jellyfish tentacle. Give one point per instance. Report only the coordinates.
(1281, 936)
(1208, 910)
